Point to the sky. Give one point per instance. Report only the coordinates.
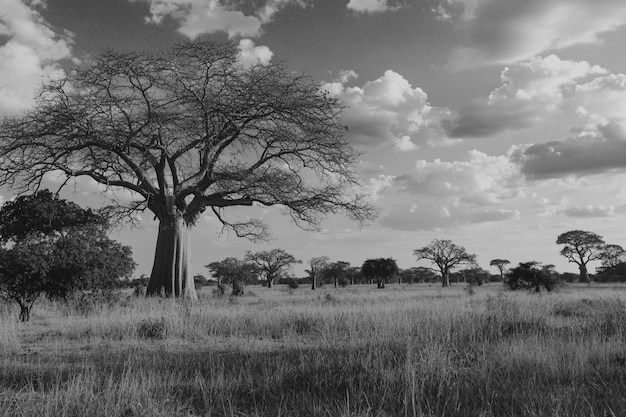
(497, 124)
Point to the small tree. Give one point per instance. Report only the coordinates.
(531, 276)
(24, 273)
(338, 273)
(474, 276)
(501, 265)
(446, 255)
(580, 248)
(233, 271)
(317, 266)
(272, 264)
(55, 247)
(612, 255)
(379, 270)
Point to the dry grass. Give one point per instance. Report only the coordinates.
(410, 351)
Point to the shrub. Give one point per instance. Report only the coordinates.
(151, 329)
(531, 276)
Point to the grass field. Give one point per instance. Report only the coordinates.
(403, 351)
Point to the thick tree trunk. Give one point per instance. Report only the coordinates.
(269, 283)
(171, 271)
(445, 282)
(313, 280)
(25, 312)
(584, 274)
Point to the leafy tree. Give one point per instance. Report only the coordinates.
(187, 130)
(612, 255)
(500, 264)
(379, 270)
(418, 274)
(272, 264)
(580, 248)
(531, 276)
(24, 273)
(338, 273)
(446, 255)
(233, 271)
(355, 275)
(317, 266)
(475, 275)
(54, 247)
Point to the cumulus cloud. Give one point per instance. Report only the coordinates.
(250, 55)
(448, 194)
(198, 17)
(529, 91)
(30, 55)
(389, 110)
(508, 31)
(480, 174)
(597, 148)
(370, 6)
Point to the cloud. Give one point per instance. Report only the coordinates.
(250, 55)
(480, 174)
(507, 31)
(389, 110)
(530, 90)
(370, 6)
(29, 56)
(455, 193)
(430, 216)
(589, 211)
(595, 149)
(198, 17)
(377, 186)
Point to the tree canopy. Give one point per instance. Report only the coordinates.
(233, 271)
(446, 255)
(186, 130)
(580, 248)
(272, 264)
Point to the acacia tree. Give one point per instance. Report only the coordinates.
(380, 270)
(187, 130)
(446, 255)
(580, 248)
(317, 266)
(272, 264)
(338, 272)
(500, 264)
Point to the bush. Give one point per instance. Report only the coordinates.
(151, 329)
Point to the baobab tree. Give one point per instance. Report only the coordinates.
(446, 255)
(580, 248)
(187, 130)
(272, 264)
(500, 264)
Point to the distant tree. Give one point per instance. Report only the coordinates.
(446, 255)
(272, 264)
(234, 272)
(501, 265)
(615, 273)
(338, 273)
(317, 266)
(531, 276)
(379, 270)
(580, 248)
(186, 131)
(54, 247)
(612, 255)
(474, 275)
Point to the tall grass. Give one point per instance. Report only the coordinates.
(402, 351)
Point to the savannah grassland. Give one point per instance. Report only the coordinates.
(403, 351)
